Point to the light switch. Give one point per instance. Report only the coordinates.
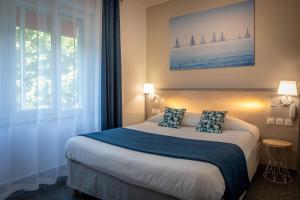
(288, 122)
(279, 122)
(270, 120)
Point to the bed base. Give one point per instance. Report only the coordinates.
(89, 181)
(75, 192)
(105, 187)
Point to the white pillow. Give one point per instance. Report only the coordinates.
(230, 123)
(156, 118)
(189, 118)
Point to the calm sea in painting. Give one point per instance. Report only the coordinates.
(220, 37)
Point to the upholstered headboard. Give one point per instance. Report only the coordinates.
(251, 105)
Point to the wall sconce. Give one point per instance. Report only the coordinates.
(287, 89)
(149, 89)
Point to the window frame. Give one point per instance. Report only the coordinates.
(56, 105)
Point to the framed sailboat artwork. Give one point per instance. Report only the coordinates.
(220, 37)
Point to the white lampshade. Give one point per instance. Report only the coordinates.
(287, 88)
(148, 88)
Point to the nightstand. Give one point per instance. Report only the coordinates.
(276, 169)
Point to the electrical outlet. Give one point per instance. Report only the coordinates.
(288, 122)
(271, 120)
(279, 122)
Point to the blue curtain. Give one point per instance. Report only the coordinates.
(111, 82)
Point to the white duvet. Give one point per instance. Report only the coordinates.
(184, 179)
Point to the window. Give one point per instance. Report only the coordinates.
(47, 61)
(69, 69)
(49, 85)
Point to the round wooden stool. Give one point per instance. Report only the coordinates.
(276, 169)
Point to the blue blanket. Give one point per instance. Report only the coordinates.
(229, 158)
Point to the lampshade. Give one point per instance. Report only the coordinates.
(148, 88)
(287, 88)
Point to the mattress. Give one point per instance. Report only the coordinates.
(184, 179)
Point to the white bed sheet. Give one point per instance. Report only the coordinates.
(184, 179)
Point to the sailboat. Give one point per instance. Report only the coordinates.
(247, 35)
(222, 38)
(202, 40)
(193, 43)
(177, 45)
(214, 38)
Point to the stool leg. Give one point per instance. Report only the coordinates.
(276, 169)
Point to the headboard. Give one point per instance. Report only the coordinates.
(251, 105)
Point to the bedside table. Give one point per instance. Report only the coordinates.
(276, 169)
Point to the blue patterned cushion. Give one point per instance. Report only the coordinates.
(211, 121)
(172, 117)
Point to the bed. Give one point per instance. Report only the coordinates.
(110, 172)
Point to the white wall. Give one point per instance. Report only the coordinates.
(133, 49)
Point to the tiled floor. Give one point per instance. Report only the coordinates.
(260, 190)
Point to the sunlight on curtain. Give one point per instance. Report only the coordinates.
(49, 86)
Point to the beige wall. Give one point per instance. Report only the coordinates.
(145, 56)
(277, 52)
(277, 47)
(133, 42)
(252, 106)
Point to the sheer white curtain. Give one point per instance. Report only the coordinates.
(49, 86)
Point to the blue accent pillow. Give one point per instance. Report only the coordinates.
(211, 121)
(172, 117)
